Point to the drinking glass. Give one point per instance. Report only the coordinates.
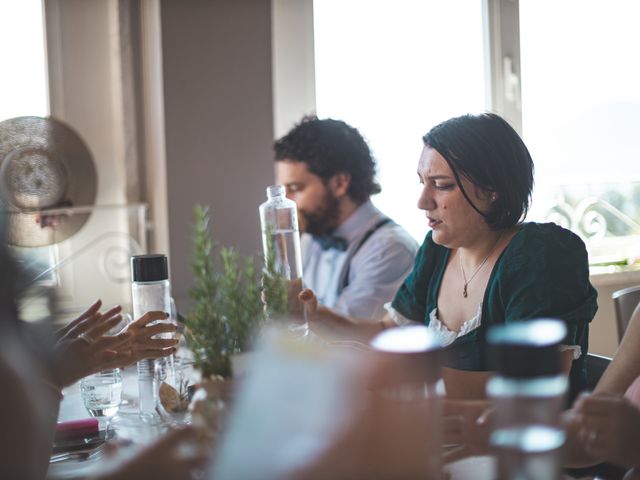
(171, 390)
(102, 392)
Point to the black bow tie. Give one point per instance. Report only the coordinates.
(328, 242)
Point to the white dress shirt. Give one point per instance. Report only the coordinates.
(376, 271)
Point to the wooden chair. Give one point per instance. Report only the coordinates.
(625, 302)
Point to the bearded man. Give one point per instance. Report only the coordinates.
(353, 256)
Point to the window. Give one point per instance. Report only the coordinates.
(581, 118)
(393, 70)
(23, 83)
(23, 90)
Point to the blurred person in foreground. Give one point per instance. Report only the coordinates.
(34, 367)
(602, 427)
(353, 256)
(315, 410)
(605, 426)
(481, 264)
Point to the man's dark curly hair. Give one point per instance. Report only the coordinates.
(329, 147)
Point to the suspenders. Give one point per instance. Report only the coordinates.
(343, 280)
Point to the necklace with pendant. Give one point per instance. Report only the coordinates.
(478, 268)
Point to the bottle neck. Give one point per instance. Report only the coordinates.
(275, 191)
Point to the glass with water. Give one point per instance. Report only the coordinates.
(102, 392)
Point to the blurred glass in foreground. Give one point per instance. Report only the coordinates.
(529, 393)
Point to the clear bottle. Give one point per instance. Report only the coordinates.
(279, 220)
(150, 291)
(529, 392)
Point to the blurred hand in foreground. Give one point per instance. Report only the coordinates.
(609, 428)
(466, 428)
(84, 346)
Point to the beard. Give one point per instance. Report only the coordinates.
(324, 219)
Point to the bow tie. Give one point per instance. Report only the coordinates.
(328, 242)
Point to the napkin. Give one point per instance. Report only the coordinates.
(77, 428)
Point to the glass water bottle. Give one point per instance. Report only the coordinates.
(279, 220)
(529, 393)
(150, 291)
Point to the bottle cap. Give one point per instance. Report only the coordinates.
(149, 268)
(527, 349)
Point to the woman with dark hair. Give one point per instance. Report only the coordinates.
(480, 265)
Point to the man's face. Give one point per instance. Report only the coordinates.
(318, 210)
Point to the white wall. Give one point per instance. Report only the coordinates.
(84, 76)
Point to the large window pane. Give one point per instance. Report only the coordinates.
(23, 83)
(581, 115)
(394, 69)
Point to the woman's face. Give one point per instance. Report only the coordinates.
(454, 222)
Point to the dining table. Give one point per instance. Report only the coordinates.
(120, 436)
(92, 461)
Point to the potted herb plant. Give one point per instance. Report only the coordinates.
(228, 301)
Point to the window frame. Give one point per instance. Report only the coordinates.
(502, 56)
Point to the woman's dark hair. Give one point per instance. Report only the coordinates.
(487, 151)
(329, 147)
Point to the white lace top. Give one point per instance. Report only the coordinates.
(447, 337)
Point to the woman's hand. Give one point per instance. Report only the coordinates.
(83, 348)
(67, 329)
(610, 428)
(141, 343)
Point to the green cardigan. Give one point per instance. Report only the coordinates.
(543, 272)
